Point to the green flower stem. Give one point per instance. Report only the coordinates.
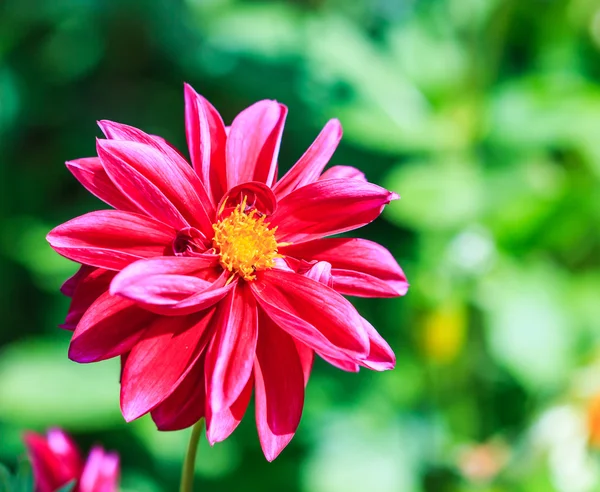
(187, 474)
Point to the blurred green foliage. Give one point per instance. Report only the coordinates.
(483, 114)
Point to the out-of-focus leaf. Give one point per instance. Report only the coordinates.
(439, 65)
(383, 110)
(436, 195)
(386, 460)
(521, 196)
(9, 101)
(138, 482)
(529, 330)
(24, 479)
(548, 111)
(68, 487)
(5, 479)
(42, 387)
(72, 50)
(262, 30)
(24, 240)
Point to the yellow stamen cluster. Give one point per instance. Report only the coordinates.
(245, 243)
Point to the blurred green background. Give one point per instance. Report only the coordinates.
(483, 114)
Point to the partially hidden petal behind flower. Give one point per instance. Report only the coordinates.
(279, 388)
(311, 164)
(253, 143)
(343, 172)
(328, 207)
(69, 285)
(90, 284)
(186, 405)
(110, 239)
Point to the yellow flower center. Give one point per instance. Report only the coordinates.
(245, 243)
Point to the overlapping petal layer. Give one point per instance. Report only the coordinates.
(111, 239)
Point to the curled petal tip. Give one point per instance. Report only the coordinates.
(394, 196)
(129, 410)
(129, 416)
(189, 90)
(210, 439)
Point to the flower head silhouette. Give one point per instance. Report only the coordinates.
(215, 278)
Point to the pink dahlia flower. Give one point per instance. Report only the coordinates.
(214, 279)
(56, 462)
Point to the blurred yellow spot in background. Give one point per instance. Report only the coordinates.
(443, 334)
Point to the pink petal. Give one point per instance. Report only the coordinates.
(160, 361)
(311, 313)
(63, 447)
(230, 355)
(311, 164)
(55, 460)
(173, 285)
(110, 327)
(253, 143)
(118, 131)
(101, 472)
(359, 267)
(321, 272)
(307, 357)
(328, 207)
(347, 364)
(343, 172)
(283, 264)
(220, 425)
(163, 280)
(110, 239)
(163, 186)
(206, 140)
(91, 285)
(91, 174)
(185, 406)
(381, 356)
(279, 388)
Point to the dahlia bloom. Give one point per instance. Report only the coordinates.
(215, 279)
(56, 462)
